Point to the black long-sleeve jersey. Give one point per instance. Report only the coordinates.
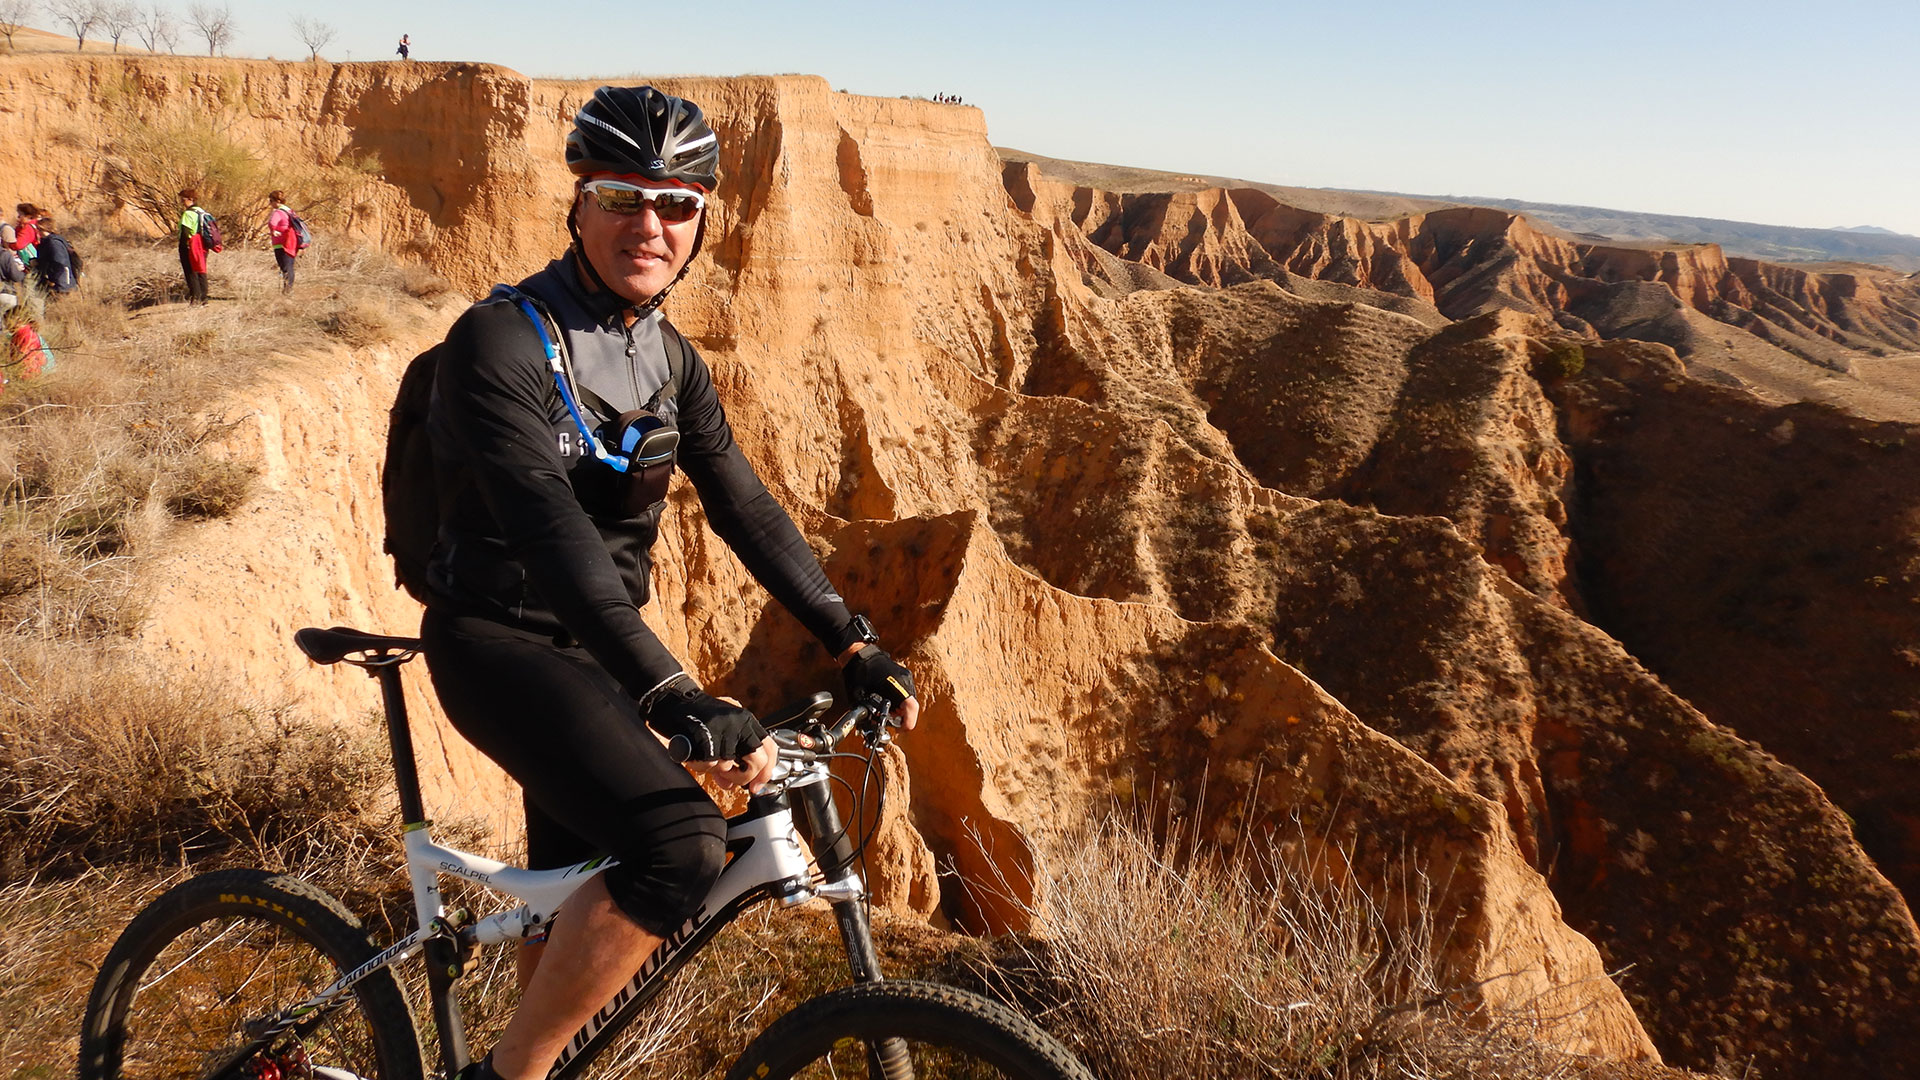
(535, 531)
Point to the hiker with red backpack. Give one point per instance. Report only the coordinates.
(199, 235)
(289, 236)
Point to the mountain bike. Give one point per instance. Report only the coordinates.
(250, 975)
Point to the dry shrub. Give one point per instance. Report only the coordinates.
(145, 152)
(88, 315)
(422, 283)
(198, 341)
(360, 321)
(204, 487)
(102, 760)
(1155, 962)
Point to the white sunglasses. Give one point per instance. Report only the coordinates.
(673, 205)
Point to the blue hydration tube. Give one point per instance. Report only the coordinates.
(560, 379)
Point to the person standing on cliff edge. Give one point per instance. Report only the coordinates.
(532, 632)
(406, 48)
(193, 246)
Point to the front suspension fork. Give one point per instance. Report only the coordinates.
(833, 850)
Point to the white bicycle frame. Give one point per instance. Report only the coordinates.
(769, 861)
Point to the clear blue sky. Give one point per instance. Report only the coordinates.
(1791, 114)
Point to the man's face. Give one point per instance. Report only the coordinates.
(637, 255)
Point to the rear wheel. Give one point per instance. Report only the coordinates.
(921, 1030)
(187, 988)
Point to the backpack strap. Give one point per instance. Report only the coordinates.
(679, 355)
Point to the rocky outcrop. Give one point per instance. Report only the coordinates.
(1297, 536)
(460, 151)
(1765, 561)
(1470, 260)
(1489, 675)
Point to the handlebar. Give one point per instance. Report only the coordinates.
(873, 718)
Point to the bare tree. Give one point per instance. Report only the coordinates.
(167, 30)
(13, 15)
(154, 27)
(314, 34)
(117, 17)
(213, 23)
(81, 16)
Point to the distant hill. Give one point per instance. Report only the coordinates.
(1775, 243)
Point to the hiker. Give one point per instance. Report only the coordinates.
(283, 228)
(193, 245)
(57, 267)
(405, 49)
(13, 269)
(26, 231)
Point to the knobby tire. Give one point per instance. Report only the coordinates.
(225, 948)
(951, 1033)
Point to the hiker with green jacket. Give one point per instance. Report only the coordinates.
(193, 246)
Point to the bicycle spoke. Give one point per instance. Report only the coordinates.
(150, 983)
(194, 1015)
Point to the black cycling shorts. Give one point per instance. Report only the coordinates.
(595, 779)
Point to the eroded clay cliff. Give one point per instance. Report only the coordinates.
(1780, 330)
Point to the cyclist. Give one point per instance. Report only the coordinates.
(533, 632)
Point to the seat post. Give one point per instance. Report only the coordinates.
(400, 740)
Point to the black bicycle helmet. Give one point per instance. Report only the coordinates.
(639, 130)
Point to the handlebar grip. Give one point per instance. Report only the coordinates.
(680, 748)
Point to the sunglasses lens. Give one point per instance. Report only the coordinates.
(674, 208)
(619, 199)
(626, 200)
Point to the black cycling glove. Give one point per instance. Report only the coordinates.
(699, 727)
(872, 671)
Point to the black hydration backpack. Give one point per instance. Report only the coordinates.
(58, 265)
(410, 494)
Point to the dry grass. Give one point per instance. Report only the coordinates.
(1155, 962)
(103, 456)
(116, 783)
(103, 761)
(114, 779)
(763, 965)
(57, 933)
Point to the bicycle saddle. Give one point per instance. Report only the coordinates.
(335, 644)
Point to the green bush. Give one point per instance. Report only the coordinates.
(1564, 360)
(148, 155)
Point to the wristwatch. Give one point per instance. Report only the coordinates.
(859, 631)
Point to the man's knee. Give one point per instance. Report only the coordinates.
(663, 889)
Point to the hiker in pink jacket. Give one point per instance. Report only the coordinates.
(283, 227)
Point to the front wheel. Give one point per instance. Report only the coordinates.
(186, 990)
(922, 1031)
